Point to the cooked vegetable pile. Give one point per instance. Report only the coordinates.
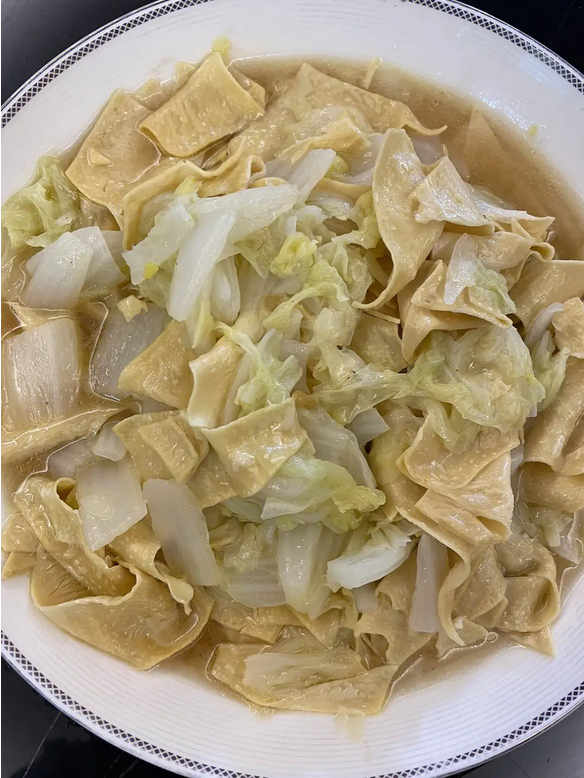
(306, 392)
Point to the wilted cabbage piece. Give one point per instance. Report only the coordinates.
(467, 286)
(369, 557)
(43, 373)
(367, 426)
(160, 180)
(161, 371)
(119, 343)
(142, 627)
(486, 375)
(335, 443)
(210, 106)
(178, 521)
(253, 448)
(114, 154)
(110, 500)
(42, 390)
(307, 489)
(302, 555)
(78, 265)
(38, 213)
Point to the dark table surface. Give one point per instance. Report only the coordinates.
(37, 740)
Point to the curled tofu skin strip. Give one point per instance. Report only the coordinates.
(569, 327)
(44, 386)
(58, 530)
(142, 627)
(161, 371)
(114, 155)
(313, 90)
(140, 547)
(419, 320)
(210, 106)
(556, 438)
(162, 445)
(213, 373)
(336, 680)
(272, 435)
(543, 283)
(397, 173)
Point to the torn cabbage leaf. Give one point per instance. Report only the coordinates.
(42, 211)
(110, 501)
(385, 549)
(308, 488)
(179, 523)
(486, 374)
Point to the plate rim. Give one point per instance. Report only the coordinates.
(182, 765)
(113, 734)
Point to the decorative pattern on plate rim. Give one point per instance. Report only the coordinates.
(17, 659)
(187, 766)
(118, 27)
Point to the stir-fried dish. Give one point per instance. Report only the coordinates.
(282, 378)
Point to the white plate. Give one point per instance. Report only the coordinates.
(457, 719)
